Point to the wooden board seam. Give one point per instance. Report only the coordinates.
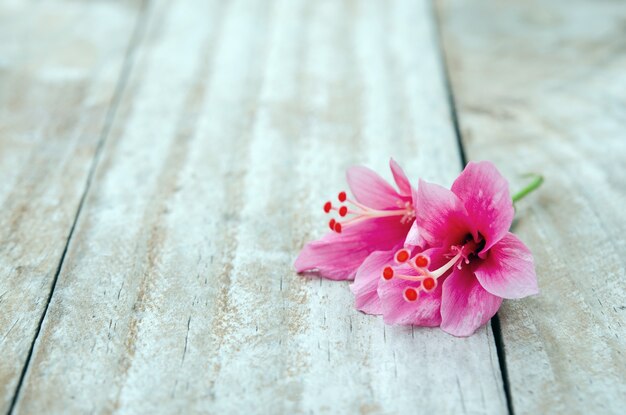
(135, 39)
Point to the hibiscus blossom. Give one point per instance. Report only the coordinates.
(472, 261)
(378, 218)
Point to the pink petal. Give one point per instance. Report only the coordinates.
(396, 310)
(414, 237)
(440, 215)
(485, 194)
(337, 256)
(466, 305)
(422, 312)
(402, 181)
(372, 190)
(508, 271)
(366, 281)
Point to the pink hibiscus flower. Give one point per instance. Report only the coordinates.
(377, 219)
(472, 262)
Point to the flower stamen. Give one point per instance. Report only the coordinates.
(388, 273)
(410, 294)
(429, 284)
(337, 227)
(356, 212)
(402, 256)
(422, 261)
(426, 280)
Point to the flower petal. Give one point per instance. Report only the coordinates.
(337, 256)
(396, 310)
(422, 312)
(485, 194)
(366, 281)
(372, 190)
(402, 181)
(414, 238)
(440, 215)
(508, 270)
(466, 305)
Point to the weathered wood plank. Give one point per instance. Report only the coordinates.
(59, 67)
(540, 86)
(178, 292)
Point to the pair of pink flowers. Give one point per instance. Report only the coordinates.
(427, 256)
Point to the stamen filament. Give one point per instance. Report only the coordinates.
(384, 213)
(423, 273)
(440, 271)
(352, 212)
(417, 278)
(427, 280)
(366, 211)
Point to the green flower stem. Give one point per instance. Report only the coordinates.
(532, 186)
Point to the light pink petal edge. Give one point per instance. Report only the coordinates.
(509, 270)
(370, 189)
(365, 286)
(466, 305)
(403, 183)
(414, 238)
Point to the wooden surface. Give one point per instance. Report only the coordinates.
(204, 136)
(60, 65)
(178, 292)
(549, 95)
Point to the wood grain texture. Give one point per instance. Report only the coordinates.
(59, 67)
(541, 86)
(178, 292)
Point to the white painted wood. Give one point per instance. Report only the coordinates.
(178, 292)
(541, 86)
(59, 66)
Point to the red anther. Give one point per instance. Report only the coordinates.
(410, 294)
(332, 224)
(343, 211)
(421, 261)
(337, 227)
(342, 197)
(327, 207)
(402, 256)
(429, 284)
(388, 273)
